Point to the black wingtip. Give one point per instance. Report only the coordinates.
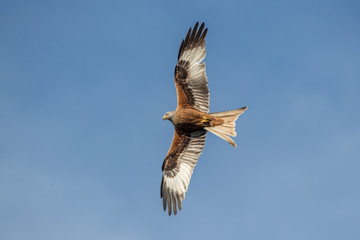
(161, 187)
(194, 36)
(202, 25)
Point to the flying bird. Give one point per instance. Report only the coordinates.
(191, 120)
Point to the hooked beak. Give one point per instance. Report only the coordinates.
(165, 117)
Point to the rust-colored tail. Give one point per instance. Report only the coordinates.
(226, 129)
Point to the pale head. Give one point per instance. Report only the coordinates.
(169, 115)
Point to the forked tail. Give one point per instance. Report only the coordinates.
(226, 129)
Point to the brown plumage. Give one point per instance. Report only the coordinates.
(191, 120)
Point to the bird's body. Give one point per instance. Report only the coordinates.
(191, 120)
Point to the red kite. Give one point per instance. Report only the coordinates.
(191, 120)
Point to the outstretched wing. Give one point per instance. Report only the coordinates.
(190, 77)
(178, 167)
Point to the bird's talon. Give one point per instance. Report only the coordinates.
(205, 119)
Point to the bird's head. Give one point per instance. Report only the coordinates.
(169, 115)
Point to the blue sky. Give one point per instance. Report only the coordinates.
(84, 86)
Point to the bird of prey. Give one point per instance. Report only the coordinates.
(191, 120)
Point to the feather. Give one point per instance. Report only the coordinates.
(178, 167)
(227, 128)
(190, 72)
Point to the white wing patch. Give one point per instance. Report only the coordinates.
(175, 182)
